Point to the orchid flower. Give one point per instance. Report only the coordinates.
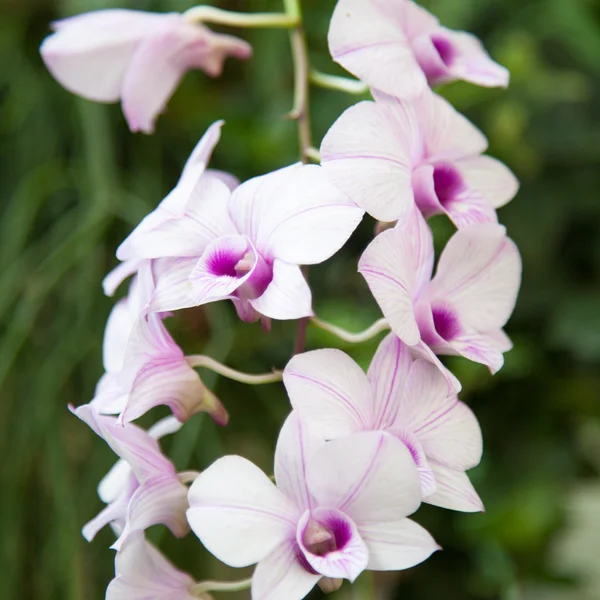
(390, 153)
(399, 395)
(136, 56)
(336, 510)
(143, 573)
(137, 247)
(247, 245)
(398, 47)
(460, 311)
(148, 492)
(144, 365)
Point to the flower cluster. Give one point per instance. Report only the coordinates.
(359, 452)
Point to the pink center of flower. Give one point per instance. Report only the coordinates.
(444, 48)
(446, 322)
(223, 264)
(321, 539)
(447, 183)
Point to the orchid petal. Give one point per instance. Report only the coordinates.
(116, 333)
(490, 177)
(396, 266)
(369, 42)
(234, 500)
(280, 575)
(350, 557)
(480, 348)
(174, 290)
(396, 545)
(288, 296)
(447, 134)
(330, 391)
(467, 59)
(159, 500)
(370, 476)
(119, 274)
(422, 350)
(446, 428)
(295, 214)
(205, 219)
(454, 490)
(367, 153)
(114, 513)
(143, 573)
(89, 54)
(387, 376)
(295, 446)
(479, 273)
(129, 442)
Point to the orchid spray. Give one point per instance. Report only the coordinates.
(359, 452)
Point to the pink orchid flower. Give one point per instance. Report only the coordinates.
(139, 246)
(144, 365)
(388, 154)
(338, 508)
(398, 47)
(405, 397)
(143, 573)
(145, 493)
(136, 56)
(247, 245)
(460, 311)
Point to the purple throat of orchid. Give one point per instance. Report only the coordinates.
(445, 322)
(444, 48)
(447, 183)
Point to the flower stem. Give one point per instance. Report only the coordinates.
(211, 14)
(341, 84)
(199, 360)
(221, 586)
(352, 338)
(300, 113)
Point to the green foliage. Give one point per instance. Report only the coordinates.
(75, 181)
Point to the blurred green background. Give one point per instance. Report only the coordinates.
(74, 181)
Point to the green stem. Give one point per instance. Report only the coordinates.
(211, 14)
(199, 360)
(352, 338)
(221, 586)
(341, 84)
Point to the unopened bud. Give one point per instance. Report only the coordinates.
(329, 584)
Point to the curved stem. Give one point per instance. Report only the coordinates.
(211, 14)
(300, 113)
(199, 360)
(221, 586)
(341, 84)
(352, 338)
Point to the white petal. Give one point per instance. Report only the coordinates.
(295, 446)
(165, 426)
(159, 500)
(132, 444)
(295, 214)
(387, 375)
(119, 274)
(422, 350)
(369, 476)
(330, 391)
(446, 428)
(366, 39)
(396, 265)
(116, 333)
(492, 178)
(479, 273)
(174, 290)
(454, 490)
(156, 68)
(205, 219)
(397, 545)
(367, 153)
(89, 54)
(448, 135)
(280, 576)
(288, 295)
(111, 486)
(482, 348)
(143, 573)
(237, 512)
